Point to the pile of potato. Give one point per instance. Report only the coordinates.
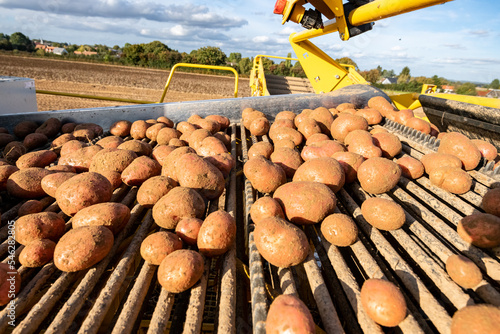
(313, 154)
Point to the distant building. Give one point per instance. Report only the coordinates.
(448, 89)
(493, 93)
(388, 81)
(59, 51)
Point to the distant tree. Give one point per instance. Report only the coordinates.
(245, 65)
(371, 76)
(388, 74)
(211, 55)
(21, 42)
(133, 54)
(495, 84)
(298, 71)
(116, 47)
(5, 42)
(288, 62)
(348, 61)
(155, 47)
(405, 71)
(234, 57)
(71, 48)
(467, 88)
(267, 64)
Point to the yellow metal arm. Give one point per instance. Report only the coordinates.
(258, 84)
(211, 67)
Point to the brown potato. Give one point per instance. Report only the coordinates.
(346, 123)
(153, 189)
(121, 128)
(178, 203)
(487, 150)
(40, 158)
(323, 117)
(264, 175)
(350, 162)
(476, 319)
(208, 124)
(462, 147)
(165, 134)
(161, 152)
(323, 170)
(411, 168)
(61, 140)
(419, 125)
(138, 129)
(140, 170)
(51, 182)
(82, 247)
(286, 133)
(24, 128)
(186, 128)
(281, 123)
(6, 138)
(372, 116)
(463, 271)
(452, 179)
(180, 270)
(114, 178)
(50, 127)
(306, 202)
(490, 202)
(343, 106)
(10, 283)
(68, 127)
(480, 229)
(223, 121)
(378, 175)
(29, 207)
(13, 151)
(404, 115)
(110, 142)
(273, 237)
(5, 172)
(284, 143)
(158, 245)
(211, 146)
(171, 160)
(383, 302)
(188, 229)
(27, 183)
(225, 162)
(81, 191)
(435, 160)
(383, 214)
(250, 117)
(388, 143)
(85, 135)
(194, 172)
(316, 138)
(288, 159)
(197, 136)
(217, 234)
(261, 148)
(139, 147)
(165, 120)
(259, 126)
(115, 160)
(70, 147)
(95, 128)
(339, 230)
(37, 226)
(361, 142)
(81, 159)
(37, 253)
(381, 104)
(225, 138)
(309, 127)
(288, 314)
(111, 215)
(265, 207)
(321, 149)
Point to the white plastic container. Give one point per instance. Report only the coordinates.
(17, 95)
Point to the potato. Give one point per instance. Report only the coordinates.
(197, 136)
(51, 182)
(372, 116)
(286, 133)
(36, 159)
(171, 160)
(264, 175)
(10, 283)
(378, 175)
(110, 142)
(140, 170)
(323, 170)
(288, 159)
(37, 253)
(62, 168)
(217, 234)
(487, 150)
(480, 229)
(454, 180)
(343, 106)
(5, 172)
(139, 147)
(95, 128)
(6, 138)
(223, 121)
(26, 183)
(71, 146)
(82, 247)
(29, 207)
(37, 226)
(404, 115)
(388, 143)
(361, 142)
(111, 215)
(13, 151)
(339, 230)
(81, 191)
(316, 138)
(176, 142)
(114, 178)
(281, 123)
(24, 128)
(265, 207)
(309, 127)
(61, 140)
(273, 237)
(288, 314)
(411, 168)
(305, 202)
(180, 270)
(285, 114)
(138, 129)
(362, 136)
(419, 125)
(80, 159)
(208, 124)
(284, 143)
(68, 127)
(261, 148)
(435, 160)
(346, 123)
(194, 118)
(188, 229)
(381, 104)
(165, 134)
(383, 302)
(490, 202)
(259, 126)
(323, 117)
(250, 117)
(350, 162)
(321, 149)
(186, 128)
(85, 135)
(194, 172)
(476, 319)
(121, 128)
(463, 271)
(115, 160)
(462, 147)
(153, 189)
(225, 138)
(178, 203)
(224, 162)
(378, 130)
(211, 146)
(383, 214)
(157, 246)
(50, 127)
(161, 152)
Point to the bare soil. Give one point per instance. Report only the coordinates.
(114, 81)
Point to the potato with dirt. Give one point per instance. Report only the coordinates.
(37, 253)
(378, 175)
(265, 207)
(169, 162)
(110, 142)
(372, 116)
(411, 168)
(13, 151)
(27, 183)
(463, 271)
(70, 147)
(350, 162)
(211, 146)
(180, 270)
(323, 170)
(83, 247)
(435, 160)
(138, 129)
(480, 229)
(166, 134)
(321, 149)
(40, 158)
(81, 159)
(288, 314)
(140, 170)
(381, 104)
(178, 203)
(339, 230)
(112, 159)
(273, 237)
(37, 226)
(5, 172)
(383, 302)
(121, 128)
(139, 147)
(262, 148)
(50, 127)
(188, 229)
(51, 182)
(383, 214)
(264, 175)
(111, 215)
(225, 162)
(286, 133)
(476, 319)
(452, 179)
(24, 128)
(490, 202)
(459, 145)
(288, 159)
(346, 123)
(217, 234)
(157, 246)
(29, 207)
(389, 144)
(153, 189)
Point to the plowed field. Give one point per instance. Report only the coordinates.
(113, 81)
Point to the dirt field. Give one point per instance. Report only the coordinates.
(114, 81)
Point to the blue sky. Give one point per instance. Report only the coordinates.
(458, 40)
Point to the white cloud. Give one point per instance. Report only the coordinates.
(260, 39)
(178, 30)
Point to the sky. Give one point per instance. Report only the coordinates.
(458, 40)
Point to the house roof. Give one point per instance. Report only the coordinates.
(391, 80)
